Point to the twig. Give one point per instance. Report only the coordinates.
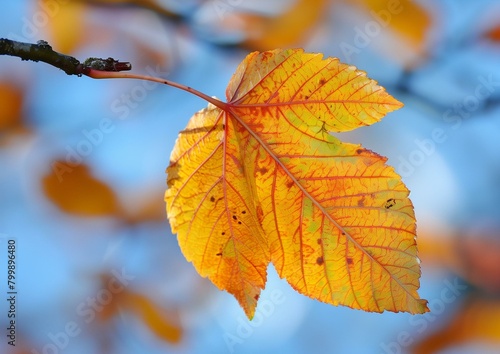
(95, 68)
(42, 51)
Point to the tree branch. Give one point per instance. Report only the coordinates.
(42, 51)
(95, 68)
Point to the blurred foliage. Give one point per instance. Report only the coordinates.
(162, 322)
(79, 192)
(11, 114)
(431, 55)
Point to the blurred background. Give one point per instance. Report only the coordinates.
(82, 173)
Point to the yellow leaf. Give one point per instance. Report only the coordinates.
(262, 180)
(210, 206)
(74, 190)
(157, 319)
(67, 24)
(405, 17)
(285, 30)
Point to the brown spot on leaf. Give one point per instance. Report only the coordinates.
(260, 214)
(289, 184)
(244, 212)
(212, 199)
(239, 222)
(235, 217)
(263, 170)
(319, 241)
(322, 82)
(219, 254)
(390, 203)
(361, 202)
(360, 151)
(256, 297)
(320, 261)
(349, 260)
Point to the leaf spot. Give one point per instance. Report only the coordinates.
(320, 261)
(263, 170)
(390, 203)
(212, 199)
(260, 214)
(349, 260)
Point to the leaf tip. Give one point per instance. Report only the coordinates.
(398, 104)
(250, 307)
(423, 306)
(250, 315)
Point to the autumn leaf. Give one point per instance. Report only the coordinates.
(75, 190)
(287, 29)
(476, 321)
(405, 17)
(71, 15)
(159, 321)
(259, 179)
(163, 323)
(11, 112)
(11, 103)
